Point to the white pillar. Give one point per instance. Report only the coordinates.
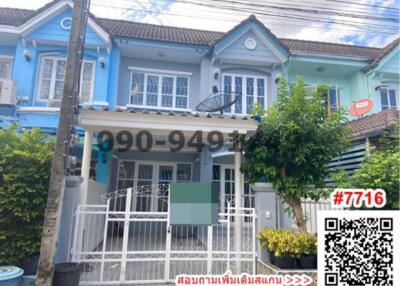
(85, 169)
(238, 204)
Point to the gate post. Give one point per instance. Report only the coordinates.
(209, 248)
(168, 239)
(125, 237)
(266, 209)
(67, 229)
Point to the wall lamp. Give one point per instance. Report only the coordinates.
(27, 55)
(102, 61)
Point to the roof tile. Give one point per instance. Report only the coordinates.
(374, 123)
(122, 28)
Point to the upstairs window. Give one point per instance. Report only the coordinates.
(334, 99)
(251, 89)
(388, 98)
(159, 91)
(5, 67)
(333, 96)
(51, 79)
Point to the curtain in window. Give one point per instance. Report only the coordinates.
(384, 99)
(392, 98)
(59, 79)
(46, 78)
(249, 93)
(51, 79)
(167, 91)
(152, 90)
(388, 98)
(227, 91)
(261, 92)
(238, 89)
(181, 92)
(333, 94)
(5, 68)
(137, 88)
(86, 81)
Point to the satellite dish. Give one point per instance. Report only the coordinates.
(218, 101)
(360, 107)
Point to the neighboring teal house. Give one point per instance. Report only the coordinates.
(146, 77)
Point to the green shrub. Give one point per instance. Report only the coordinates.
(25, 161)
(283, 241)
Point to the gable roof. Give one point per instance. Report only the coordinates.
(121, 28)
(382, 53)
(251, 18)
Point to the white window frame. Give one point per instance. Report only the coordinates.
(336, 87)
(396, 96)
(160, 74)
(9, 59)
(154, 176)
(53, 75)
(244, 90)
(156, 165)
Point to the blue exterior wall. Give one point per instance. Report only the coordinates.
(52, 30)
(237, 50)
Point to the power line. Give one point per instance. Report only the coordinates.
(357, 25)
(249, 10)
(310, 19)
(367, 5)
(313, 11)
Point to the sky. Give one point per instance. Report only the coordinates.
(359, 22)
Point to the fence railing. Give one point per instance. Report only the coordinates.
(310, 209)
(122, 243)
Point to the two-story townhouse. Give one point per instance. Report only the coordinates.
(139, 76)
(141, 83)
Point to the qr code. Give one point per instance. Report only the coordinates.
(357, 250)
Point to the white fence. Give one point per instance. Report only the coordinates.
(129, 240)
(310, 210)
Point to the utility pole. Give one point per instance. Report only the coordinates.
(64, 142)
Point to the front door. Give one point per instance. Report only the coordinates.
(224, 177)
(150, 181)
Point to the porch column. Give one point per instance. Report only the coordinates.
(85, 170)
(206, 163)
(238, 205)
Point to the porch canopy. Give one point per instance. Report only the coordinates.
(164, 122)
(160, 125)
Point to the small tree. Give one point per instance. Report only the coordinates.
(25, 161)
(296, 139)
(381, 170)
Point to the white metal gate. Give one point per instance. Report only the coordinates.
(119, 246)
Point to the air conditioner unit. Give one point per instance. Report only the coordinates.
(8, 90)
(54, 103)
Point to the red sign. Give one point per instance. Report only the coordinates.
(361, 107)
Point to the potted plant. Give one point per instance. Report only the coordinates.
(266, 254)
(283, 247)
(307, 258)
(280, 246)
